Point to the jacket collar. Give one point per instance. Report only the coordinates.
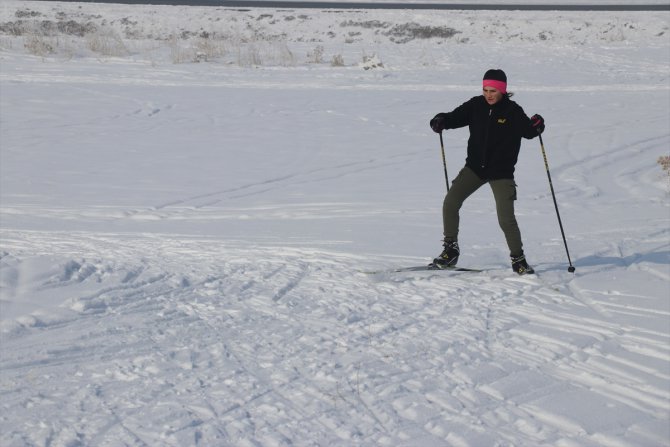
(499, 105)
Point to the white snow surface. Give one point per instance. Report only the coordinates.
(182, 243)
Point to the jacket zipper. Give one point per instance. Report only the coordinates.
(486, 139)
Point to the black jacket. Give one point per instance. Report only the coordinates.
(495, 135)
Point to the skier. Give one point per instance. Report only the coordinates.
(496, 126)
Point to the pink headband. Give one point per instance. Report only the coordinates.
(498, 85)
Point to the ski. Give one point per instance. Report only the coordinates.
(422, 268)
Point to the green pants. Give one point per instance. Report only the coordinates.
(504, 191)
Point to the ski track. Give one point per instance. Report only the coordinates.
(209, 199)
(232, 351)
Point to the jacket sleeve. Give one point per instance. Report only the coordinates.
(524, 125)
(460, 116)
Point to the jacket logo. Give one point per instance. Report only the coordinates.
(502, 120)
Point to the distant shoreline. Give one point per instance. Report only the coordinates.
(371, 5)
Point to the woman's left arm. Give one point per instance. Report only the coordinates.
(529, 127)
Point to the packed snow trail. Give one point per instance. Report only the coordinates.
(184, 341)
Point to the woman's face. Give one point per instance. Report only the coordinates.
(492, 95)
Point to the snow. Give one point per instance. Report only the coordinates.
(181, 242)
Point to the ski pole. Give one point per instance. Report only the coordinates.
(571, 269)
(444, 162)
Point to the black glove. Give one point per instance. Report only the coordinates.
(537, 122)
(438, 122)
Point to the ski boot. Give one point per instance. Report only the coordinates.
(520, 266)
(449, 256)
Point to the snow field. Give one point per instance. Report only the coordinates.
(181, 244)
(301, 348)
